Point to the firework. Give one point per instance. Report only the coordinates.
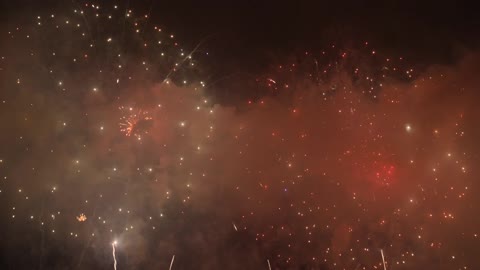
(383, 260)
(171, 262)
(113, 254)
(81, 217)
(136, 123)
(344, 152)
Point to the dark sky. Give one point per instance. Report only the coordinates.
(248, 34)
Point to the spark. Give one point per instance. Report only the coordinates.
(271, 80)
(81, 217)
(383, 260)
(171, 263)
(113, 254)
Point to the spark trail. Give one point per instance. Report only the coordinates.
(171, 263)
(114, 257)
(383, 260)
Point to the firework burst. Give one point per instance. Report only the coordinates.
(136, 123)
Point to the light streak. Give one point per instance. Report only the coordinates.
(171, 263)
(113, 254)
(383, 260)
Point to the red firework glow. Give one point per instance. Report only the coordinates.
(385, 175)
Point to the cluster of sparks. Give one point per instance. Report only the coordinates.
(81, 217)
(338, 176)
(135, 123)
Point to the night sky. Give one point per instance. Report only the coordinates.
(250, 135)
